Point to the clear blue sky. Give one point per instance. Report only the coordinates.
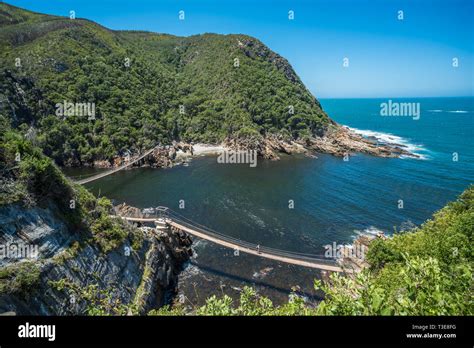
(387, 57)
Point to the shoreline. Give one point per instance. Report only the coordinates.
(340, 141)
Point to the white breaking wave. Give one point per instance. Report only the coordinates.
(189, 271)
(197, 244)
(390, 139)
(369, 231)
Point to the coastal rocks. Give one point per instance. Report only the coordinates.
(164, 156)
(118, 161)
(353, 257)
(164, 262)
(279, 145)
(184, 147)
(172, 153)
(102, 164)
(266, 147)
(338, 141)
(160, 157)
(127, 210)
(178, 245)
(341, 141)
(169, 155)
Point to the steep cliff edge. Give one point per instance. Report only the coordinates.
(63, 252)
(76, 281)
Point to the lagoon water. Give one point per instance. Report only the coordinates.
(334, 200)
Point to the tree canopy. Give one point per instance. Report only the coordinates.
(147, 88)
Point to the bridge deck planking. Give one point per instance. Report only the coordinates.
(255, 252)
(246, 250)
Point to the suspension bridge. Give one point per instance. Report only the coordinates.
(164, 218)
(112, 171)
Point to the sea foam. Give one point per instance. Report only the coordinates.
(390, 139)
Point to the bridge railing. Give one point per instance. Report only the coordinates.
(166, 213)
(169, 215)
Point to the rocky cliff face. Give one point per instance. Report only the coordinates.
(71, 280)
(34, 227)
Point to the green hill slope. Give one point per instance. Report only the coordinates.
(147, 87)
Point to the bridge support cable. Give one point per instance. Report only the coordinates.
(104, 174)
(191, 224)
(184, 224)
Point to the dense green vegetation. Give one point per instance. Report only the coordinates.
(30, 179)
(98, 301)
(19, 278)
(138, 82)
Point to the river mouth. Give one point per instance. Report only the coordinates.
(296, 204)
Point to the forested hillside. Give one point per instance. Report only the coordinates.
(146, 87)
(152, 88)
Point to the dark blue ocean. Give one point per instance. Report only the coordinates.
(334, 200)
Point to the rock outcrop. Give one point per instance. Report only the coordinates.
(338, 141)
(21, 228)
(353, 257)
(75, 274)
(165, 156)
(267, 147)
(341, 141)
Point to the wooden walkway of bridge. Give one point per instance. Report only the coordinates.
(170, 219)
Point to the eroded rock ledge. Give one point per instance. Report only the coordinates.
(341, 141)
